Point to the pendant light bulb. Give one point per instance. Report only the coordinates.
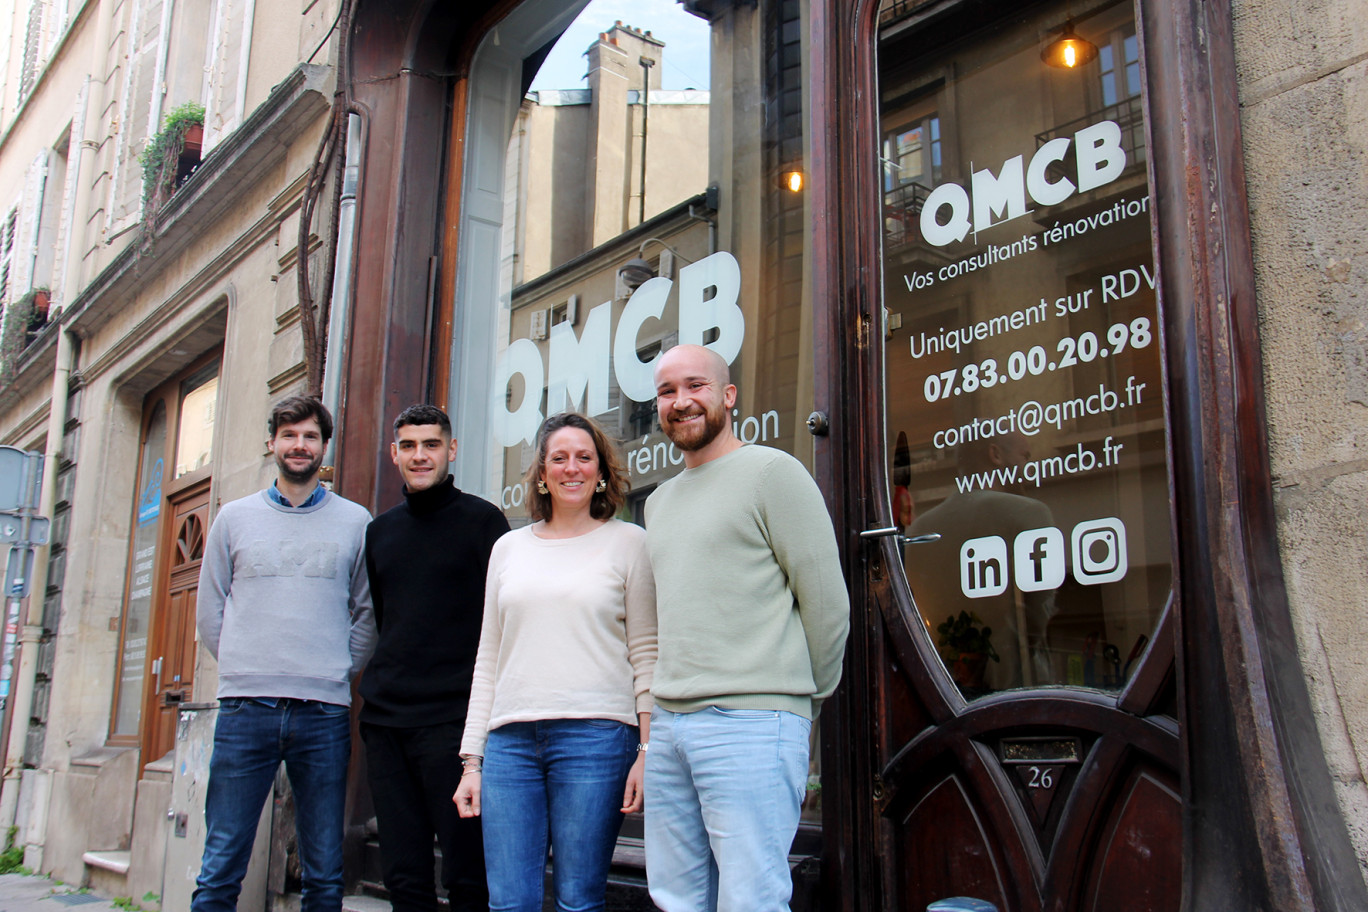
(1068, 51)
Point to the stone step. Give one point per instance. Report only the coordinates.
(117, 862)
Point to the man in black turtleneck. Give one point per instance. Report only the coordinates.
(427, 559)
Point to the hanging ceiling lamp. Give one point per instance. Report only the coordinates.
(1068, 50)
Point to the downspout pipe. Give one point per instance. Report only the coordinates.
(338, 313)
(31, 616)
(646, 64)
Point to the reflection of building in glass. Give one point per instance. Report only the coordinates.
(580, 234)
(1019, 276)
(574, 239)
(196, 437)
(578, 159)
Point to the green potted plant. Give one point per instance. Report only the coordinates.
(966, 645)
(163, 161)
(24, 319)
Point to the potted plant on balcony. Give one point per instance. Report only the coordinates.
(966, 645)
(24, 319)
(171, 155)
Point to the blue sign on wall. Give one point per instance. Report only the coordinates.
(149, 504)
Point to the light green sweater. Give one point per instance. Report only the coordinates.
(751, 601)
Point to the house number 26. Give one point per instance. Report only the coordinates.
(1042, 777)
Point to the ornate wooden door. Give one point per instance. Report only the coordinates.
(1019, 707)
(172, 644)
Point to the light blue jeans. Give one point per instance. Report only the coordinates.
(724, 790)
(557, 780)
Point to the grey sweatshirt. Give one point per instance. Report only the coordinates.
(284, 603)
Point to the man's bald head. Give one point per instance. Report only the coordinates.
(705, 361)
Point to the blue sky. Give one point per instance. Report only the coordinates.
(686, 40)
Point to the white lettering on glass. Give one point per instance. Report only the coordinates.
(577, 366)
(1097, 152)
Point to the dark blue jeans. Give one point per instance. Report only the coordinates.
(559, 780)
(251, 739)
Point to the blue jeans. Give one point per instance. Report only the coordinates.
(251, 739)
(558, 781)
(724, 790)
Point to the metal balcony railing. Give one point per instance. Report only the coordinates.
(902, 208)
(1129, 115)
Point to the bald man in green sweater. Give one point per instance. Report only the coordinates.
(753, 614)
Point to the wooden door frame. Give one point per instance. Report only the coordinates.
(168, 392)
(1271, 837)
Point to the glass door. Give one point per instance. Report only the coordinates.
(1025, 733)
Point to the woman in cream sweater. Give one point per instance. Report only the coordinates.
(560, 705)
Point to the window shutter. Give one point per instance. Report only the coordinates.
(67, 230)
(140, 110)
(33, 44)
(56, 17)
(225, 85)
(7, 259)
(26, 231)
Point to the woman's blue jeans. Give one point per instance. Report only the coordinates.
(251, 738)
(556, 782)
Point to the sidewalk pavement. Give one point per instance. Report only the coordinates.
(28, 893)
(32, 893)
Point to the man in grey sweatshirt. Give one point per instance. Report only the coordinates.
(285, 607)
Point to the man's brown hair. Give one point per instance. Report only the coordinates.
(294, 409)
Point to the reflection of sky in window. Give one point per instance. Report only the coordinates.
(686, 40)
(1107, 65)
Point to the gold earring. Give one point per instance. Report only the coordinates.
(601, 486)
(541, 486)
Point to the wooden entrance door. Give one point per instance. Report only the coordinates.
(171, 646)
(1016, 699)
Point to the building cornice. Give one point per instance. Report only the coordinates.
(259, 143)
(590, 260)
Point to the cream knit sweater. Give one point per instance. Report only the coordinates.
(569, 631)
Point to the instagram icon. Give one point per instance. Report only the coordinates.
(1099, 551)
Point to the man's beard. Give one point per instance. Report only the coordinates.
(694, 437)
(297, 477)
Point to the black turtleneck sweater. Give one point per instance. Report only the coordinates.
(427, 559)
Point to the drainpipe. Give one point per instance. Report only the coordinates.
(339, 313)
(646, 64)
(31, 633)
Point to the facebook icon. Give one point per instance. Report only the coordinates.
(1038, 559)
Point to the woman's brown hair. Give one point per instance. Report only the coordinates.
(605, 503)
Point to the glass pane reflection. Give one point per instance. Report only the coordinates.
(637, 200)
(1024, 419)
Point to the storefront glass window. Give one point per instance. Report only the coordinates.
(1024, 416)
(650, 195)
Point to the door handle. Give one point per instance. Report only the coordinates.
(868, 534)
